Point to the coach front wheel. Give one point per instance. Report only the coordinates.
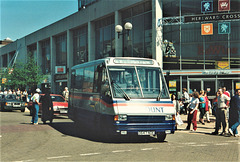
(161, 136)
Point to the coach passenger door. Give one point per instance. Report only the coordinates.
(106, 97)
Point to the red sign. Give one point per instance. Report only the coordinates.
(60, 69)
(223, 5)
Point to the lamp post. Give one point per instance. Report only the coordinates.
(127, 27)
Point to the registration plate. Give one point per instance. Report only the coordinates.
(63, 111)
(146, 133)
(16, 105)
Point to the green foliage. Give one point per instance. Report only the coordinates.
(24, 75)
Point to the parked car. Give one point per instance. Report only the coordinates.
(10, 102)
(60, 105)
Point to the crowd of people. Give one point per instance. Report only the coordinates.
(34, 96)
(198, 101)
(21, 95)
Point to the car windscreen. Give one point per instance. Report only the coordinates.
(57, 99)
(11, 97)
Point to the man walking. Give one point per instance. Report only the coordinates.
(222, 105)
(185, 99)
(235, 104)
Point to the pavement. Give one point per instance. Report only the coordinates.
(208, 128)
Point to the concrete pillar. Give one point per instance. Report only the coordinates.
(69, 55)
(91, 41)
(118, 41)
(53, 63)
(157, 34)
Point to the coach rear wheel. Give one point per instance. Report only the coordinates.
(161, 136)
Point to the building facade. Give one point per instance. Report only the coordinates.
(198, 61)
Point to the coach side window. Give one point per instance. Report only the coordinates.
(88, 79)
(97, 79)
(79, 79)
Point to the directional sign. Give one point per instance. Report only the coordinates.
(223, 5)
(224, 28)
(207, 29)
(206, 6)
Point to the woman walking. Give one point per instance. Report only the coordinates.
(202, 106)
(192, 111)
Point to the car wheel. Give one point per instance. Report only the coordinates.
(161, 136)
(2, 108)
(23, 110)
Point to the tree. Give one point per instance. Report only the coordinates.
(24, 75)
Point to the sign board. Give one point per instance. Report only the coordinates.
(60, 69)
(238, 85)
(172, 85)
(206, 6)
(223, 5)
(212, 17)
(222, 65)
(207, 29)
(4, 80)
(224, 28)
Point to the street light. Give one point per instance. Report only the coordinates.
(127, 27)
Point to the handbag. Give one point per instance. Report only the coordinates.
(179, 120)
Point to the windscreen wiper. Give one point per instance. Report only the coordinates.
(119, 89)
(159, 96)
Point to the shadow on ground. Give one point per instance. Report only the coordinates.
(70, 129)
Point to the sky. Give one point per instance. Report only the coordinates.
(19, 18)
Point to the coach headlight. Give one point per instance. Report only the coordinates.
(120, 117)
(170, 117)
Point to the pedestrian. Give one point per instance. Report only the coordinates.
(5, 92)
(221, 112)
(185, 99)
(24, 95)
(225, 91)
(35, 98)
(177, 108)
(10, 91)
(201, 107)
(66, 93)
(47, 107)
(192, 111)
(214, 104)
(235, 107)
(18, 93)
(207, 107)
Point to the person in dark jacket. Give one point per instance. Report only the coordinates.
(47, 107)
(235, 111)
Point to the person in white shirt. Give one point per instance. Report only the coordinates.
(192, 109)
(185, 99)
(222, 105)
(35, 98)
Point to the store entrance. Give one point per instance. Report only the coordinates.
(211, 85)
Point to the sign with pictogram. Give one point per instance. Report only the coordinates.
(223, 5)
(207, 29)
(206, 6)
(4, 80)
(222, 65)
(224, 28)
